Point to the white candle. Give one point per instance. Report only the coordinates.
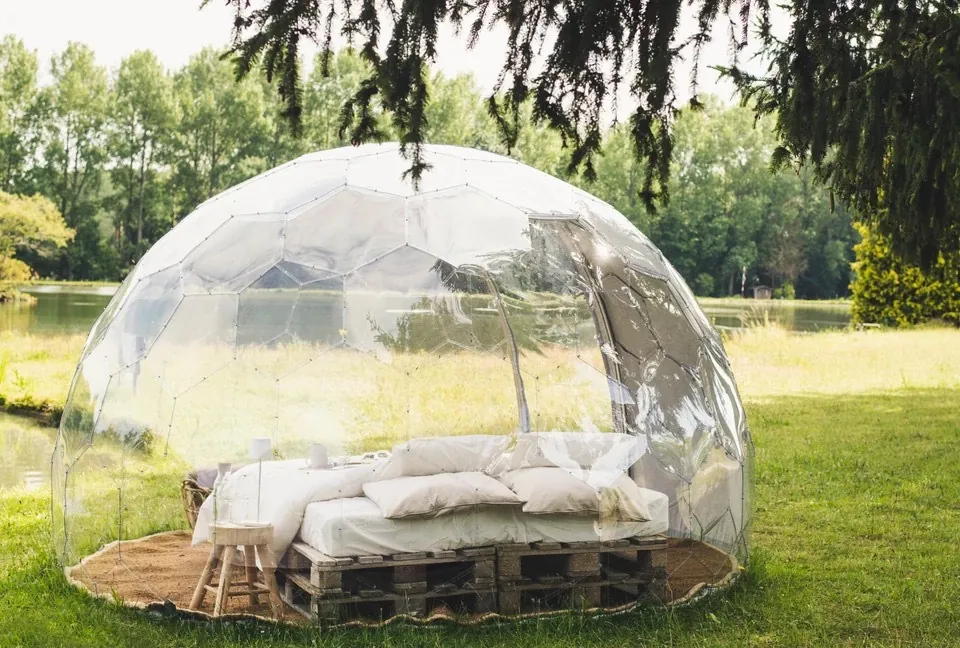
(318, 456)
(260, 449)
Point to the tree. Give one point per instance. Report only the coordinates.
(865, 92)
(727, 213)
(142, 121)
(456, 115)
(75, 153)
(333, 80)
(279, 144)
(28, 223)
(222, 124)
(18, 112)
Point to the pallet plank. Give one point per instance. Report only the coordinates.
(443, 555)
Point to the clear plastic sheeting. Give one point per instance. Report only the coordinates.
(331, 303)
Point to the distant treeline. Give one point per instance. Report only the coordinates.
(125, 154)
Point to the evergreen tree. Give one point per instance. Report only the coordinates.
(866, 92)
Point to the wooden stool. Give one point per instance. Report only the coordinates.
(255, 540)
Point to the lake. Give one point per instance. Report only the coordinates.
(72, 309)
(792, 315)
(59, 309)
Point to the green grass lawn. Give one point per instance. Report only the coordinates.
(855, 540)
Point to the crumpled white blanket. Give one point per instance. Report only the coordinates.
(279, 496)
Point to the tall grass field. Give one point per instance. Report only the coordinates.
(856, 537)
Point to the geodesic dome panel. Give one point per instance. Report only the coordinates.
(330, 301)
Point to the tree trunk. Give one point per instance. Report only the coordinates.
(143, 159)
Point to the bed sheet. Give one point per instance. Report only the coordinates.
(355, 526)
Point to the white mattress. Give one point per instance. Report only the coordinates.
(354, 526)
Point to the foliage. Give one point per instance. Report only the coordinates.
(786, 291)
(894, 292)
(18, 112)
(74, 152)
(221, 124)
(142, 119)
(324, 94)
(27, 223)
(864, 91)
(168, 140)
(728, 216)
(583, 73)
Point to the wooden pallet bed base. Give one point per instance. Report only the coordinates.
(579, 575)
(509, 579)
(341, 589)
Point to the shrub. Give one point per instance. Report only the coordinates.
(703, 284)
(889, 291)
(786, 291)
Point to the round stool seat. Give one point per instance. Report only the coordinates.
(255, 538)
(240, 534)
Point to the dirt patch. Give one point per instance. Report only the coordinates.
(690, 564)
(165, 567)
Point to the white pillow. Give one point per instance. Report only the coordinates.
(434, 495)
(597, 458)
(435, 455)
(552, 490)
(549, 491)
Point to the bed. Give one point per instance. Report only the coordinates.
(355, 526)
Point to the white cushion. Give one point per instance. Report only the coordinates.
(551, 490)
(597, 458)
(435, 455)
(547, 491)
(433, 495)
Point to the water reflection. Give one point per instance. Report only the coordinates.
(68, 309)
(25, 457)
(59, 309)
(793, 316)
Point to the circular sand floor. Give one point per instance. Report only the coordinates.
(163, 569)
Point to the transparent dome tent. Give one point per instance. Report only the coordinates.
(329, 301)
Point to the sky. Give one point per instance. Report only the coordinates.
(176, 29)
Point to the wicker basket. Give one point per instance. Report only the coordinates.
(193, 495)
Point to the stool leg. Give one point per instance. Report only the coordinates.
(270, 578)
(250, 563)
(229, 554)
(205, 577)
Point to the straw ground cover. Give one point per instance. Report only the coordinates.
(855, 533)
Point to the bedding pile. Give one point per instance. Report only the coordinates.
(443, 493)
